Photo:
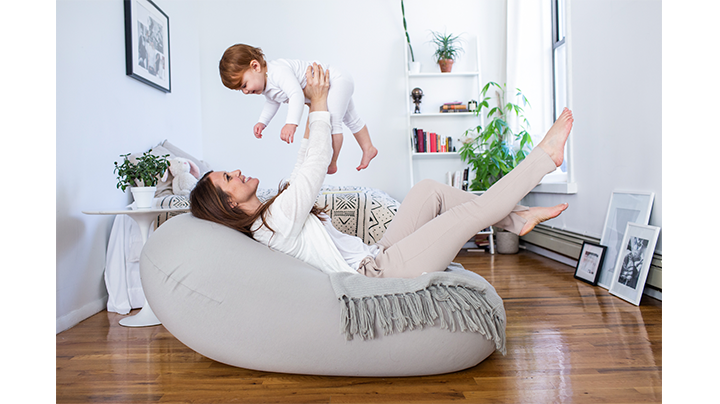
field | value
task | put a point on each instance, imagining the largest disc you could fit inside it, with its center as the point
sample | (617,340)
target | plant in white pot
(414,66)
(141,176)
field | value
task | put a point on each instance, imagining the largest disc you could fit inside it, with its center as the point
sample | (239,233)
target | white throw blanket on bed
(459,299)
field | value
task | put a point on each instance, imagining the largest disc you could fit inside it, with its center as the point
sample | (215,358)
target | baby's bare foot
(537,215)
(368,155)
(332,168)
(554,141)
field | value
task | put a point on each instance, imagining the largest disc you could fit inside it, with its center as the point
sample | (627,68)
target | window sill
(556,188)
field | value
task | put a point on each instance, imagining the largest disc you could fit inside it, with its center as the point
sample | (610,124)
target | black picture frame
(147,44)
(590,262)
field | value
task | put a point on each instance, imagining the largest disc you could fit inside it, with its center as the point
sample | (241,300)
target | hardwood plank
(567,342)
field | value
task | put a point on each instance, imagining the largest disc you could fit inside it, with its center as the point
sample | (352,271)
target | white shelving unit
(438,88)
(462,84)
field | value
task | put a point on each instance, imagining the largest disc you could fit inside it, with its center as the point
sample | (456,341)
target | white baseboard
(76,316)
(550,254)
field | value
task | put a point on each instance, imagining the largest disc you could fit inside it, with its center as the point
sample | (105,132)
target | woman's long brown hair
(209,202)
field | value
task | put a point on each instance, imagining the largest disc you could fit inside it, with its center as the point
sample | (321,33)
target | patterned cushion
(358,211)
(169,201)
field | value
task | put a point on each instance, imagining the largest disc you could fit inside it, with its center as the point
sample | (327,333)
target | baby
(244,68)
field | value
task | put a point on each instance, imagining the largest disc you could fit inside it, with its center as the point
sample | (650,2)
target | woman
(432,224)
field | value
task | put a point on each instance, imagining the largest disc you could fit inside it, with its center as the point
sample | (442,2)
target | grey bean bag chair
(236,301)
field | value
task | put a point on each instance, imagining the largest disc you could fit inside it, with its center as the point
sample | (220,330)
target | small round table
(143,218)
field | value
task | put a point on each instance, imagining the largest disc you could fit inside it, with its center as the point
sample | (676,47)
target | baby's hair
(235,61)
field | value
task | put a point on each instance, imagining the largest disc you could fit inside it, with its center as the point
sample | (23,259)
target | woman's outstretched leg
(435,243)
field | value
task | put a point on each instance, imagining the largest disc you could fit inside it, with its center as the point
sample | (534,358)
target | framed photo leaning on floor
(633,262)
(624,208)
(589,262)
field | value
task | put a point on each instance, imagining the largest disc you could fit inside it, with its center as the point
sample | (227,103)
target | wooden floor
(568,342)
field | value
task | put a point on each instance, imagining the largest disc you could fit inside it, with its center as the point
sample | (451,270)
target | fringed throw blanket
(459,299)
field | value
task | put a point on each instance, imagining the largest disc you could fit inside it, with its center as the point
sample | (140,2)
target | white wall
(365,39)
(102,113)
(616,51)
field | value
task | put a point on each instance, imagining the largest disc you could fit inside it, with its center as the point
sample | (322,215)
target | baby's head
(236,61)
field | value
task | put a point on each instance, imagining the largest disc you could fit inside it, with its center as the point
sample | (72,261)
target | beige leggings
(435,220)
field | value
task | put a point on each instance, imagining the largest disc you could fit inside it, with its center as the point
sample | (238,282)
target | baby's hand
(257,129)
(287,133)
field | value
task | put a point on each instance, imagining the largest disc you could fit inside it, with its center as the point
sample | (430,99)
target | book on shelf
(430,142)
(450,107)
(457,179)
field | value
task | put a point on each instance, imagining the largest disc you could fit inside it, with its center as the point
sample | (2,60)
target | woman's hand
(316,90)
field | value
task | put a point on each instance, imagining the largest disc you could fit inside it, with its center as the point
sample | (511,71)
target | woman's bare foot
(368,155)
(554,141)
(537,215)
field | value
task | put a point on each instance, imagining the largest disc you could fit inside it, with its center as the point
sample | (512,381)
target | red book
(433,143)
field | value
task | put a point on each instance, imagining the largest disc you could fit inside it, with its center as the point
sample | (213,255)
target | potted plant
(414,66)
(448,48)
(141,176)
(496,149)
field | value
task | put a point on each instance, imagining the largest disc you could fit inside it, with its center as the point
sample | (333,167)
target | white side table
(143,218)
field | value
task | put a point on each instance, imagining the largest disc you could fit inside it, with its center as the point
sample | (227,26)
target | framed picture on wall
(633,262)
(624,208)
(590,262)
(147,44)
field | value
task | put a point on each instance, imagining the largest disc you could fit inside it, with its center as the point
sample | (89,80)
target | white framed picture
(624,208)
(147,44)
(633,262)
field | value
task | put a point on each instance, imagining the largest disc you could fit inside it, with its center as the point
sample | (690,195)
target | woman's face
(239,187)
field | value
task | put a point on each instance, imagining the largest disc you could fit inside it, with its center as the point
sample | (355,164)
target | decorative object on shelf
(147,44)
(448,48)
(490,151)
(140,175)
(472,105)
(417,95)
(633,264)
(414,66)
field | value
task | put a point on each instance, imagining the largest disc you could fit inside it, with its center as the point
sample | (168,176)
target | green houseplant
(407,36)
(141,175)
(491,150)
(447,50)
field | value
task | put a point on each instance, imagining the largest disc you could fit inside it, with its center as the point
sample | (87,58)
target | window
(559,63)
(537,60)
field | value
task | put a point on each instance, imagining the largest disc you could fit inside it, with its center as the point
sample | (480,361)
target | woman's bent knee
(427,184)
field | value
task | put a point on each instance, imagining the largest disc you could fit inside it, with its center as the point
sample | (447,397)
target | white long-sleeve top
(300,233)
(285,82)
